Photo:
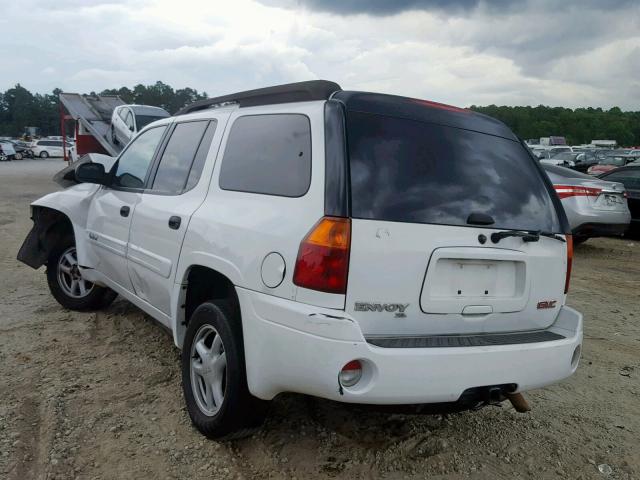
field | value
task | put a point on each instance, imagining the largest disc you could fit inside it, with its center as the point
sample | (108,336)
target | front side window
(416,172)
(178,157)
(133,164)
(268,154)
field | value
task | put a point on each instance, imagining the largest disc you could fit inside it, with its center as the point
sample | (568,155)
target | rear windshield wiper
(527,236)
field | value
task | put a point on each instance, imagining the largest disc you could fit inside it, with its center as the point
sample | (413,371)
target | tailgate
(408,279)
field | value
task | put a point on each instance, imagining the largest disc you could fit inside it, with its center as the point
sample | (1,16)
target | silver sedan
(594,207)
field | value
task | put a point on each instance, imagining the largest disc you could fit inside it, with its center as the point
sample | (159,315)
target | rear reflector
(351,373)
(565,191)
(569,262)
(323,256)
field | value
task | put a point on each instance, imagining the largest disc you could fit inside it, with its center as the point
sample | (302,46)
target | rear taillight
(565,191)
(323,256)
(569,262)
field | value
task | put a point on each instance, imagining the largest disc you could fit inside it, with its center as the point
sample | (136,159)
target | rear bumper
(590,230)
(293,347)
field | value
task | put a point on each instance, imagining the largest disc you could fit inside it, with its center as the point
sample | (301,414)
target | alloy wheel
(208,370)
(70,277)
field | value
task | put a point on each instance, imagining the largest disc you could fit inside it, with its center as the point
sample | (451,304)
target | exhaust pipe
(519,403)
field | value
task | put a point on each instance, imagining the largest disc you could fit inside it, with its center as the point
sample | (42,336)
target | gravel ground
(97,395)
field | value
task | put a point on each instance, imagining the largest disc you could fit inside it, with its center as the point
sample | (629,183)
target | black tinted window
(630,178)
(268,154)
(133,164)
(178,157)
(410,171)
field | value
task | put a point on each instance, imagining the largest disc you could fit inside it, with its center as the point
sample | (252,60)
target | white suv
(358,247)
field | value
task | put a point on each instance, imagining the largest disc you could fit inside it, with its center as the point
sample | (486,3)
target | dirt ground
(98,396)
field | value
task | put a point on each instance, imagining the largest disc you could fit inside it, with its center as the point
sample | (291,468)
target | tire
(577,240)
(17,156)
(235,413)
(44,154)
(91,297)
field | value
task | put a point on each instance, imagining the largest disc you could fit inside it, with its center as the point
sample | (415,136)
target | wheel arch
(200,283)
(50,226)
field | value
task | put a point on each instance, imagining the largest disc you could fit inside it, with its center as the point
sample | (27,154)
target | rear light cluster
(565,191)
(569,262)
(323,256)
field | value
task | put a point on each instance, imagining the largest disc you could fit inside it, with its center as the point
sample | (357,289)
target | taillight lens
(565,191)
(323,256)
(569,262)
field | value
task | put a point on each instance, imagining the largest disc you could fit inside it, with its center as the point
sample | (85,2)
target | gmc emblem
(547,304)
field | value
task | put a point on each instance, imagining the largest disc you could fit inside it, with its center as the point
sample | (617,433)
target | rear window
(144,120)
(409,171)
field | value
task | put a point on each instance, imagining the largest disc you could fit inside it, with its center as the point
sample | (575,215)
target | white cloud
(522,56)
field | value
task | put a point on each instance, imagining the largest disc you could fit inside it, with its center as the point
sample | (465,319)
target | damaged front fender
(49,227)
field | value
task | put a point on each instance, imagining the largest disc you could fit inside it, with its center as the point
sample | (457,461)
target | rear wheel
(67,285)
(214,378)
(44,154)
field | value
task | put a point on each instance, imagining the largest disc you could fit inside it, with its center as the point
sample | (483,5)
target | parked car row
(42,148)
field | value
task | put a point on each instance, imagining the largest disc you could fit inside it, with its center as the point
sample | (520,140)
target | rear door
(161,218)
(425,201)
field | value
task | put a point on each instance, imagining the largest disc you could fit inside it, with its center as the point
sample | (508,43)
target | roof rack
(291,92)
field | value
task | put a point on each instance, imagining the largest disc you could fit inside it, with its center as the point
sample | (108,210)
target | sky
(573,53)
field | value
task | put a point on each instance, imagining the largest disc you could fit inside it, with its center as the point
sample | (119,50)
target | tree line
(578,126)
(20,108)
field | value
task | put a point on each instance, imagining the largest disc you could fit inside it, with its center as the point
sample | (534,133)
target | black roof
(291,92)
(424,111)
(375,103)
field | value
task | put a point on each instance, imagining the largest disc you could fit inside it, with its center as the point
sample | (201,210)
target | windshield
(618,161)
(410,171)
(565,156)
(144,120)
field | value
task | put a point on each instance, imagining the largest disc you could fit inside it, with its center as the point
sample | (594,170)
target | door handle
(174,222)
(124,211)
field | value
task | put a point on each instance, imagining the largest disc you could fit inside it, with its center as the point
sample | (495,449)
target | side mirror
(91,173)
(131,128)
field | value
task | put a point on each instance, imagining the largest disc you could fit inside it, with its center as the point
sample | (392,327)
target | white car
(127,120)
(47,147)
(359,247)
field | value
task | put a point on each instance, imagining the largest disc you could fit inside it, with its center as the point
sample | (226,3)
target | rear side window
(410,171)
(179,155)
(268,154)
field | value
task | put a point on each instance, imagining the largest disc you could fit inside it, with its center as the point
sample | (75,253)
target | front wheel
(67,286)
(214,378)
(44,154)
(18,156)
